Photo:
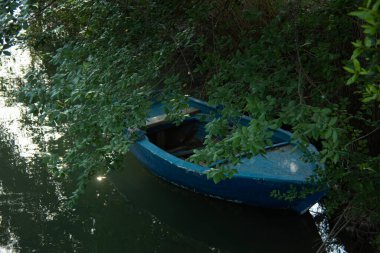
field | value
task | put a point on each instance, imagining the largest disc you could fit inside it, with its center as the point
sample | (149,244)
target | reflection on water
(330,243)
(223,226)
(33,217)
(144,215)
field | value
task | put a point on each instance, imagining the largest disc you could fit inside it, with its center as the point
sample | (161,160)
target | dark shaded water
(149,216)
(145,214)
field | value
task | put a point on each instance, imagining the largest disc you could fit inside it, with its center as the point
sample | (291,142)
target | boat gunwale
(189,166)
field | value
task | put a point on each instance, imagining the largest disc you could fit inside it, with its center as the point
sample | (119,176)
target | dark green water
(147,215)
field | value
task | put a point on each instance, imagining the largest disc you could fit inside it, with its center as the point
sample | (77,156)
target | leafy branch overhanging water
(280,62)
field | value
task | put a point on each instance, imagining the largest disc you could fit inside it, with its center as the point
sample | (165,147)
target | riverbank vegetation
(309,66)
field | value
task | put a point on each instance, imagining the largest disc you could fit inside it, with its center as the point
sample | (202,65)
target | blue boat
(164,147)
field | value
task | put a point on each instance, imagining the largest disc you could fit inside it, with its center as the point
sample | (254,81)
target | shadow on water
(33,217)
(149,215)
(156,217)
(225,227)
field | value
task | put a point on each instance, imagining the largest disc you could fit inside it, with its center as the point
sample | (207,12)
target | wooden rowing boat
(164,147)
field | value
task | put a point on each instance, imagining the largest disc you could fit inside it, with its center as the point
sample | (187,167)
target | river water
(144,214)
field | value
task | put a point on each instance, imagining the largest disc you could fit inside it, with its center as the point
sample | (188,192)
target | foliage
(12,20)
(365,68)
(279,62)
(99,84)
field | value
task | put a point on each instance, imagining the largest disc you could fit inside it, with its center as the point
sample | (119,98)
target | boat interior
(179,140)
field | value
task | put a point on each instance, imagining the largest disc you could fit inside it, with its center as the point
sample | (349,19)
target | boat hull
(240,189)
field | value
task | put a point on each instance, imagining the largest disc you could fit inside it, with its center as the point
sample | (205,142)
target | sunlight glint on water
(324,230)
(12,71)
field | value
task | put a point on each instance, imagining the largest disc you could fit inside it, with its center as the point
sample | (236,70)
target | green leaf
(333,120)
(334,135)
(352,80)
(6,46)
(336,158)
(349,70)
(376,6)
(370,29)
(356,65)
(357,43)
(365,15)
(328,133)
(357,52)
(216,178)
(368,42)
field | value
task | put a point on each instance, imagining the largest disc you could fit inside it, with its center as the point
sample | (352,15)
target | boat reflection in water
(224,226)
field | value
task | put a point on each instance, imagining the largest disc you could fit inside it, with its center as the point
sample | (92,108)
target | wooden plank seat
(185,150)
(163,118)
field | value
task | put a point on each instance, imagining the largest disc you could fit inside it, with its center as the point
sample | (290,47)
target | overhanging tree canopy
(279,62)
